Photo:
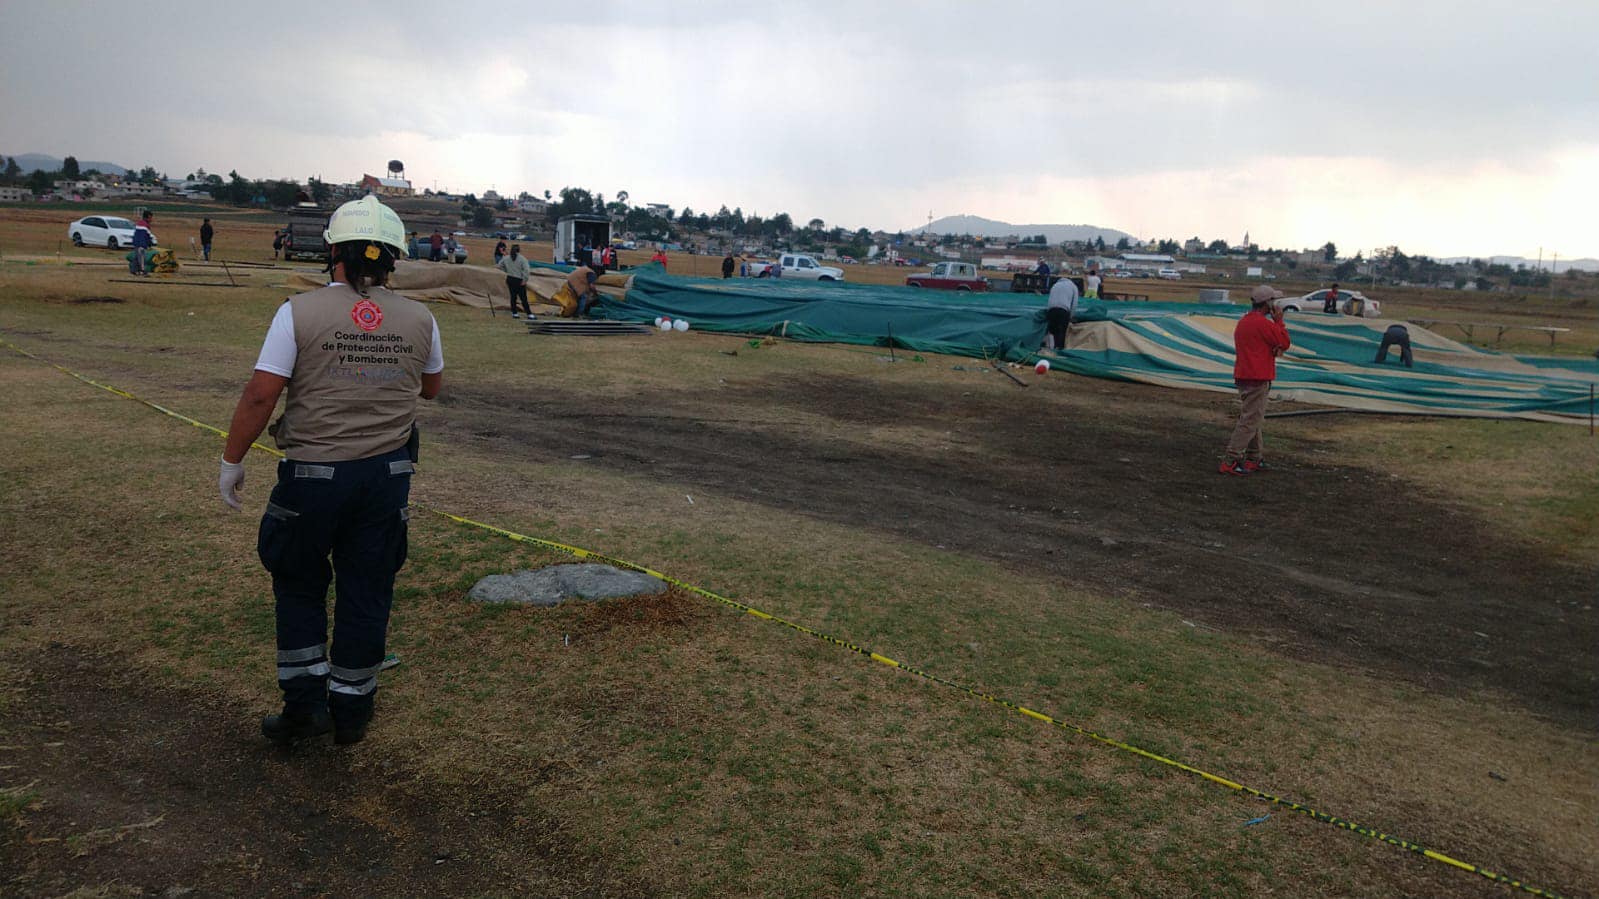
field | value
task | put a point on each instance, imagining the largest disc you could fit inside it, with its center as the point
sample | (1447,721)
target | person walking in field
(499,252)
(436,246)
(206,233)
(277,243)
(727,265)
(353,357)
(517,269)
(1258,339)
(1330,303)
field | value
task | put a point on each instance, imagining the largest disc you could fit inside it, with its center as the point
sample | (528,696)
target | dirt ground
(1317,559)
(140,791)
(1105,487)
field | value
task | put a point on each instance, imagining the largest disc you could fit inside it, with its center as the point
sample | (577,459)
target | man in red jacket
(1258,340)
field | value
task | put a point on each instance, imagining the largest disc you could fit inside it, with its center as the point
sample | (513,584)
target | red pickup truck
(950,276)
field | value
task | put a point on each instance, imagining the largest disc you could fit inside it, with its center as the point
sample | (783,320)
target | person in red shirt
(1258,340)
(660,256)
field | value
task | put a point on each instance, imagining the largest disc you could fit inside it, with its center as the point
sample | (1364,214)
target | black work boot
(347,732)
(293,725)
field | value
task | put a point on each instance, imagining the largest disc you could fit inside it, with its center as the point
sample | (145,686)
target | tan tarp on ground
(477,286)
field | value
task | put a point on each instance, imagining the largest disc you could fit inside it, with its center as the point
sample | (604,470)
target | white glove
(230,481)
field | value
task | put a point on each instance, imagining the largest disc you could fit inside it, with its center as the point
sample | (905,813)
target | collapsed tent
(469,285)
(1005,326)
(1169,344)
(1331,363)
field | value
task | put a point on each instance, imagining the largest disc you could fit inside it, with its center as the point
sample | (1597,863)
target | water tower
(396,169)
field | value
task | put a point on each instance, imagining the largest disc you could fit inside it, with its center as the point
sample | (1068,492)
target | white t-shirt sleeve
(435,362)
(279,350)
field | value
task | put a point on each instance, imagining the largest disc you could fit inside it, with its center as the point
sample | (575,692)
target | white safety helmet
(367,219)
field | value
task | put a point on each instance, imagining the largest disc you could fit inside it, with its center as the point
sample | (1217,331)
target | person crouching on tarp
(578,295)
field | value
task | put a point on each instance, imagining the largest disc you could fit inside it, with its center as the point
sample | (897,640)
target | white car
(798,265)
(1169,274)
(1316,301)
(101,231)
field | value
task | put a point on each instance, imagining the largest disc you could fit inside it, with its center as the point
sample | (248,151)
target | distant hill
(31,162)
(1585,264)
(981,227)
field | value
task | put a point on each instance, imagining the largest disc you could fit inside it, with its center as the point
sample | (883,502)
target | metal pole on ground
(226,272)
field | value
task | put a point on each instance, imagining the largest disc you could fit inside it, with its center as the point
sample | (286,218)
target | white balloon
(666,324)
(680,324)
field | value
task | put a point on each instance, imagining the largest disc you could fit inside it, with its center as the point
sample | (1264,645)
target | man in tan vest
(578,293)
(354,357)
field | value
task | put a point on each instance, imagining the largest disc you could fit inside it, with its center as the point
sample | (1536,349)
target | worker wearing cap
(354,357)
(578,294)
(1258,340)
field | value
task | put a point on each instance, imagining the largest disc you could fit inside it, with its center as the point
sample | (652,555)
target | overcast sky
(1447,128)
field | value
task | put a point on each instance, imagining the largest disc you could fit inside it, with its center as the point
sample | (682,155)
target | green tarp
(1007,326)
(1172,344)
(1332,362)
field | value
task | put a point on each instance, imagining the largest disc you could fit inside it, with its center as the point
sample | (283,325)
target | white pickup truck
(797,265)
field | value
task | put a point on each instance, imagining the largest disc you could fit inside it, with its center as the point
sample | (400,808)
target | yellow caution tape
(581,553)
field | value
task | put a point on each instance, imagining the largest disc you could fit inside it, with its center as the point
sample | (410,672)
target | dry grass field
(1396,626)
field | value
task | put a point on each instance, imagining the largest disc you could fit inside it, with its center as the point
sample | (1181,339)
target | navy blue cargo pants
(355,513)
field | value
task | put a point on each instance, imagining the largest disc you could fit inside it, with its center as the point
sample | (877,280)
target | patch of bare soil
(142,789)
(1118,495)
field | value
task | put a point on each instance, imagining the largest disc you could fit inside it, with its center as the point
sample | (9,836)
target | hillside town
(532,215)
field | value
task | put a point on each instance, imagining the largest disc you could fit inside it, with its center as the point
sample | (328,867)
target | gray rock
(557,583)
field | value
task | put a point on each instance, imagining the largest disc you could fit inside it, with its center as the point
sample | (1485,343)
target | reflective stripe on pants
(340,523)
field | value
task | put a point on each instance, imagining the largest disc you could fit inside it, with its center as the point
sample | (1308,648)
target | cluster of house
(77,189)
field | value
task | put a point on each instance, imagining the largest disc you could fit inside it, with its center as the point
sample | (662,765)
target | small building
(79,187)
(1008,263)
(658,209)
(386,187)
(15,195)
(1146,261)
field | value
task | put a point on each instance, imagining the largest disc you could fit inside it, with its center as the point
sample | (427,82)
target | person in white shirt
(517,269)
(353,357)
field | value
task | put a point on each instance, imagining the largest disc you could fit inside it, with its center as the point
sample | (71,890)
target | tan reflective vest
(357,373)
